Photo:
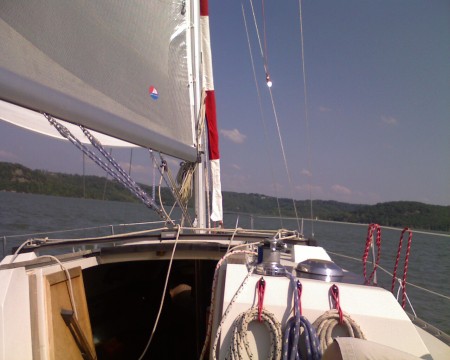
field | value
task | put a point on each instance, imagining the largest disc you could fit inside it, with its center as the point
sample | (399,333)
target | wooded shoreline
(18,178)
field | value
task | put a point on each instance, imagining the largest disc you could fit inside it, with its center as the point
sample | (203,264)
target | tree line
(18,178)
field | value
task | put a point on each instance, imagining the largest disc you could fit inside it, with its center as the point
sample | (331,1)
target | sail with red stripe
(210,104)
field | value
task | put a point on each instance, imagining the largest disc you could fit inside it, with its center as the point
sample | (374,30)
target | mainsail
(36,122)
(120,68)
(127,69)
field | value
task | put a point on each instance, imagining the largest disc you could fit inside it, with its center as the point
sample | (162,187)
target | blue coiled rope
(309,337)
(292,340)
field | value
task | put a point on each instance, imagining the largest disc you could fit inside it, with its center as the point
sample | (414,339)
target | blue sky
(378,90)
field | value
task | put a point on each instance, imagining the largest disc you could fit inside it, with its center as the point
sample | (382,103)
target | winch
(269,258)
(320,270)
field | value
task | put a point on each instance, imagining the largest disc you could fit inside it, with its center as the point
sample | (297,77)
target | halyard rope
(290,343)
(405,268)
(213,295)
(371,229)
(163,293)
(227,311)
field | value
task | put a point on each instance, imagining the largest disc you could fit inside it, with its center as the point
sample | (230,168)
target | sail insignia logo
(153,93)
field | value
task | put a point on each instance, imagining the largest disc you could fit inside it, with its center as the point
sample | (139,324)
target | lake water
(429,265)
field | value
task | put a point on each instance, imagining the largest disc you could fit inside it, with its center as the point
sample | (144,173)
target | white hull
(34,290)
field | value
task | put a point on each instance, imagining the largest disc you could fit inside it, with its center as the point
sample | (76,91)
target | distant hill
(18,178)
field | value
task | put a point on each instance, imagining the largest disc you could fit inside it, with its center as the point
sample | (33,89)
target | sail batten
(118,68)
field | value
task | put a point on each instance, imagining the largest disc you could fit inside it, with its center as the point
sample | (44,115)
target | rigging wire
(257,32)
(305,97)
(106,178)
(160,197)
(278,127)
(266,61)
(288,174)
(266,137)
(131,161)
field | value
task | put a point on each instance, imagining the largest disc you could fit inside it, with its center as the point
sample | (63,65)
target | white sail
(34,121)
(119,68)
(210,105)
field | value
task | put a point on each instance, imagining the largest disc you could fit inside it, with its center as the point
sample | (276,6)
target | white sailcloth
(210,102)
(36,122)
(119,68)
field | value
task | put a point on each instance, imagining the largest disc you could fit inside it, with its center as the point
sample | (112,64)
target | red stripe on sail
(211,118)
(204,8)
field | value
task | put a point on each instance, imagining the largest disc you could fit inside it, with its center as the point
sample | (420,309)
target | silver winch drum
(320,270)
(269,258)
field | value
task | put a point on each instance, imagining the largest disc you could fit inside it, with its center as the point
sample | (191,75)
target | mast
(199,180)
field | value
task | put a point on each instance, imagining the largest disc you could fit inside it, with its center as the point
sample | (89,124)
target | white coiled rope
(326,323)
(239,345)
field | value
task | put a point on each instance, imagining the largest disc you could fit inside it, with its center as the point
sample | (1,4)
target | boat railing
(322,230)
(9,242)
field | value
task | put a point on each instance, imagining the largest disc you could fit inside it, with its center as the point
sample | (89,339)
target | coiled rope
(326,323)
(239,345)
(291,339)
(184,178)
(308,337)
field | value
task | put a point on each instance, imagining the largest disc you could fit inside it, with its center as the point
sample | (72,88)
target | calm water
(429,264)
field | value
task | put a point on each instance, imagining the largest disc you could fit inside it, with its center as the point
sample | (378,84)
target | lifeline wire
(398,279)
